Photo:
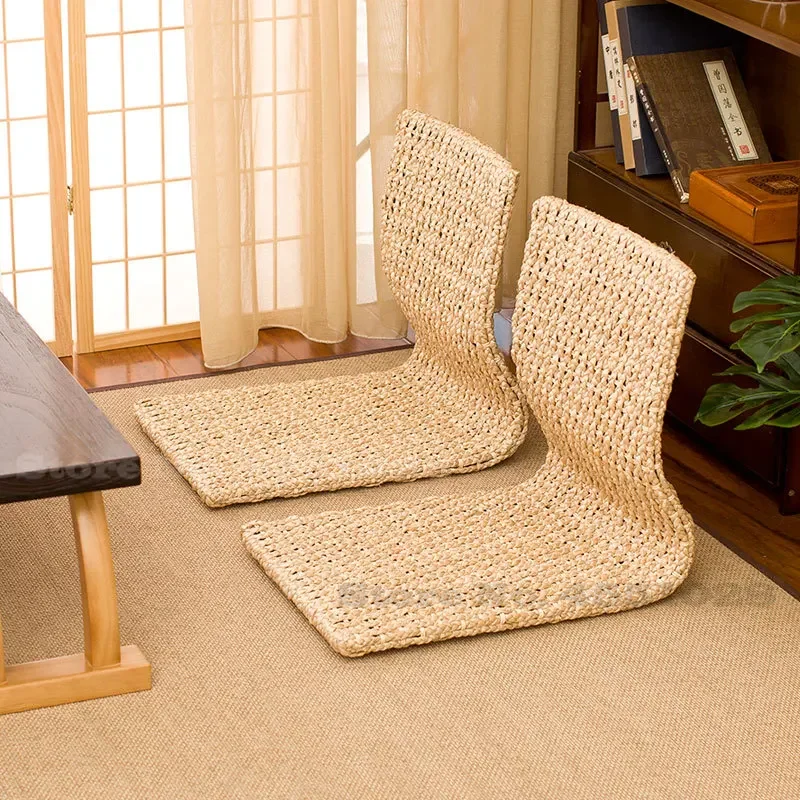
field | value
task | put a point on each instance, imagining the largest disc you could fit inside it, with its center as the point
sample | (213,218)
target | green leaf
(763,343)
(768,337)
(757,297)
(790,364)
(787,314)
(762,415)
(725,401)
(791,419)
(789,283)
(765,379)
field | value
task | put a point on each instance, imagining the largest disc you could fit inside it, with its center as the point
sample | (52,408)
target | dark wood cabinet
(759,451)
(724,264)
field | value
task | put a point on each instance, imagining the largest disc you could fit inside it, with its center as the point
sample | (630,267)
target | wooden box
(757,202)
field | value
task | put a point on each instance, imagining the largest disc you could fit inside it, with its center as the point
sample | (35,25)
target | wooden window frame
(57,186)
(87,340)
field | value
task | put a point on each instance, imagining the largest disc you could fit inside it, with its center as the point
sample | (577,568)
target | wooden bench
(54,441)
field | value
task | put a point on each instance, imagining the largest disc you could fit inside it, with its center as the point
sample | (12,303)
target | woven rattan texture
(597,529)
(453,407)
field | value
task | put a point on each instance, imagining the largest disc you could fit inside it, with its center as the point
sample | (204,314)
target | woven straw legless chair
(597,529)
(452,407)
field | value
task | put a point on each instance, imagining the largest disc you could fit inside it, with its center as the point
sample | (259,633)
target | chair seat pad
(252,444)
(453,407)
(547,550)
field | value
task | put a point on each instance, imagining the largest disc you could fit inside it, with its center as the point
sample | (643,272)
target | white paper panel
(32,239)
(103,81)
(108,224)
(35,301)
(182,297)
(27,95)
(143,145)
(105,149)
(146,293)
(108,283)
(145,237)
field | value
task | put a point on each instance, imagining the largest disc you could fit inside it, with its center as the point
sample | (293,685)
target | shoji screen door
(34,237)
(135,274)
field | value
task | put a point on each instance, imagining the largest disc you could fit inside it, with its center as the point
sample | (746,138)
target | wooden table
(54,441)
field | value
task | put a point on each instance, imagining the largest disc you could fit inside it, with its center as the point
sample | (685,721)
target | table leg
(104,668)
(98,584)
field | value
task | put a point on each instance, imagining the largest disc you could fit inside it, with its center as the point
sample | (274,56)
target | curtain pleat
(387,35)
(219,81)
(328,226)
(280,181)
(504,70)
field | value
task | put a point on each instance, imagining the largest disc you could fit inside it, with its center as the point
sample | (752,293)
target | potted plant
(770,341)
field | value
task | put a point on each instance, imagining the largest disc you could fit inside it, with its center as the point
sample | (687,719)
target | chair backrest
(597,328)
(446,209)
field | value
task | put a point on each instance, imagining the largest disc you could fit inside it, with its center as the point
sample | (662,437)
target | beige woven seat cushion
(452,407)
(597,529)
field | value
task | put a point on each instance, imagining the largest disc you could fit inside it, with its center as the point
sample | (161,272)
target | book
(631,105)
(619,86)
(608,63)
(699,111)
(652,27)
(757,202)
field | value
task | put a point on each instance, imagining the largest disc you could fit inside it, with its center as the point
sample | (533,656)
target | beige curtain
(504,70)
(286,161)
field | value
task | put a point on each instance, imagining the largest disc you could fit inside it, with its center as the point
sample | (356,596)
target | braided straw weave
(597,529)
(452,407)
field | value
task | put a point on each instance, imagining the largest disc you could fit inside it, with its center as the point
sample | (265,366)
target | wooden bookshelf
(776,23)
(769,59)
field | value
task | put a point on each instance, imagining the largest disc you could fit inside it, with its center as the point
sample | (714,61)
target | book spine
(622,100)
(626,51)
(609,68)
(608,63)
(655,124)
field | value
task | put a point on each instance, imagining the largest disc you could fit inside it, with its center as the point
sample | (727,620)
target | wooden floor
(737,512)
(158,362)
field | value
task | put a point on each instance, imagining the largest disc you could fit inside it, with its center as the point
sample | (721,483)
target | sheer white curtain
(272,90)
(504,70)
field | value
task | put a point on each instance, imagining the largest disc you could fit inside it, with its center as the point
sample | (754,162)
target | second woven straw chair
(452,407)
(597,529)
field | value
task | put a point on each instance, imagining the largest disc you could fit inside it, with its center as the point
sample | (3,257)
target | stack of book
(678,101)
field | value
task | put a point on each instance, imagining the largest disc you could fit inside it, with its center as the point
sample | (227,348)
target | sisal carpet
(696,696)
